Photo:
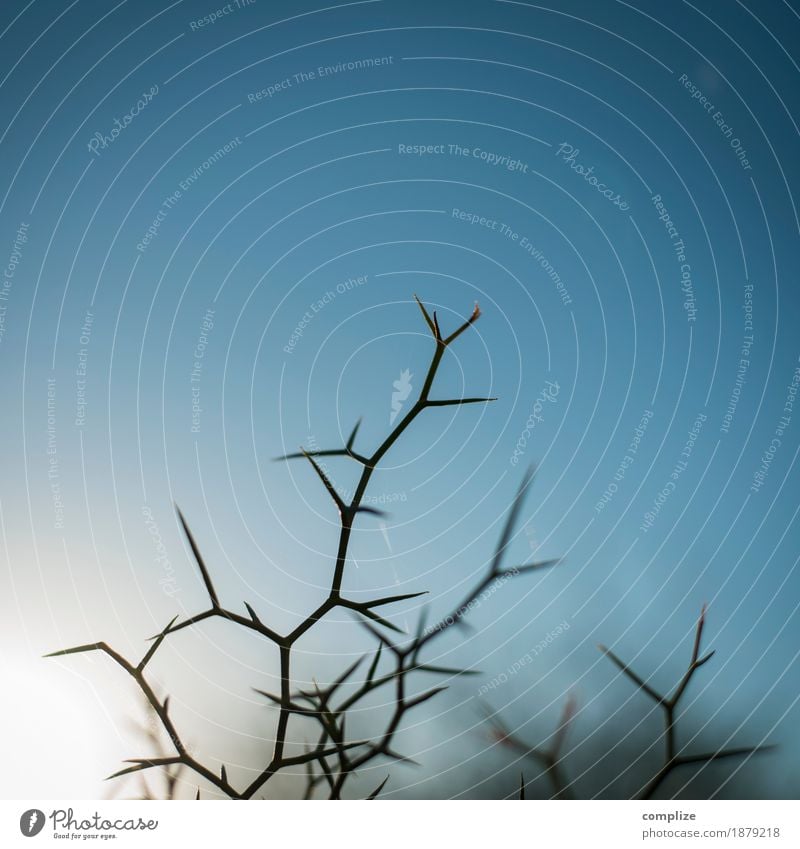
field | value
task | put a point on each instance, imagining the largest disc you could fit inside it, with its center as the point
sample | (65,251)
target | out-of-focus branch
(674,757)
(549,758)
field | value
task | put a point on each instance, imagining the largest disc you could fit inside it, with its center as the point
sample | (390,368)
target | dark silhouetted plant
(551,760)
(334,758)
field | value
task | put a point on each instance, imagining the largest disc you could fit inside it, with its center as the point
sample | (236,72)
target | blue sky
(260,210)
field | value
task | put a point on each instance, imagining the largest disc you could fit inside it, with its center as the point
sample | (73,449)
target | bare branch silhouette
(333,759)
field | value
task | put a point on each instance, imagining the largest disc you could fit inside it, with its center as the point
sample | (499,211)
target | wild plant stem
(334,596)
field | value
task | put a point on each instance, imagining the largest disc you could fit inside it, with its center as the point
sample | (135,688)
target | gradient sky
(681,103)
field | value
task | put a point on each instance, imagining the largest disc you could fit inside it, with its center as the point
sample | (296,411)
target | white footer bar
(402,825)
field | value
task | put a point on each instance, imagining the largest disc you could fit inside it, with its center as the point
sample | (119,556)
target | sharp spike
(391,599)
(418,700)
(458,402)
(328,485)
(427,317)
(199,559)
(377,790)
(352,438)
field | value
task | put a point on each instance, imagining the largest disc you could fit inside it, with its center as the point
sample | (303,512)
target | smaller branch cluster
(551,758)
(674,758)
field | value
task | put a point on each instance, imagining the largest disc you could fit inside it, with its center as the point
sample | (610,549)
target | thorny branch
(333,759)
(674,757)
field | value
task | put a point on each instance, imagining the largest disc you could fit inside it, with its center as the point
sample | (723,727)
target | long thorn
(428,319)
(458,402)
(511,521)
(698,635)
(157,640)
(377,790)
(391,599)
(328,485)
(200,563)
(352,439)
